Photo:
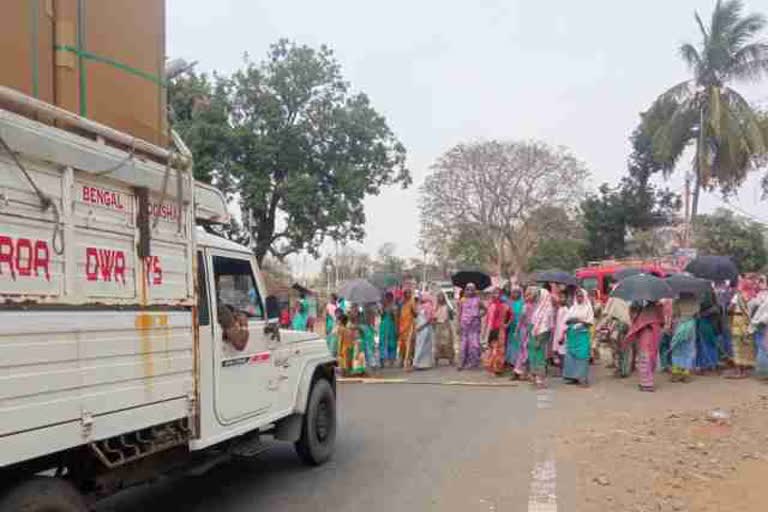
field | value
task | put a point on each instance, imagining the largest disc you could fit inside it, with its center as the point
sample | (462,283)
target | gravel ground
(699,447)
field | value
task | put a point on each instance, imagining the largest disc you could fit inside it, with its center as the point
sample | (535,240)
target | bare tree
(492,190)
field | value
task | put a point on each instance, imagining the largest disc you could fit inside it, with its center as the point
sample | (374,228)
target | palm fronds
(728,134)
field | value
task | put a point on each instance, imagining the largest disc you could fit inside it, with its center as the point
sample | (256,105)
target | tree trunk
(697,167)
(695,199)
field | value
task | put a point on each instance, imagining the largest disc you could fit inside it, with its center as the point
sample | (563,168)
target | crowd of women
(720,331)
(414,332)
(552,330)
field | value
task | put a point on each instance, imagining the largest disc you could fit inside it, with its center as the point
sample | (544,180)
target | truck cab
(133,341)
(268,378)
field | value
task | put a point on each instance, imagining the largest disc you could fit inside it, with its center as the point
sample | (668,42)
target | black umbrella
(683,283)
(359,291)
(624,273)
(715,268)
(556,276)
(302,289)
(481,280)
(643,287)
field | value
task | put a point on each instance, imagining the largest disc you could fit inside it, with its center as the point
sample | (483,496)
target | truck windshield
(236,287)
(589,283)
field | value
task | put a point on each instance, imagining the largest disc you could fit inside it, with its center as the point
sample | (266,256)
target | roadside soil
(701,446)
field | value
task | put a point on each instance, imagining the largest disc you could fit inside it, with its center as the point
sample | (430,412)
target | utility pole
(687,225)
(336,267)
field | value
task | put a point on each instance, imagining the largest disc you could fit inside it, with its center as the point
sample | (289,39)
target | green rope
(119,65)
(35,48)
(80,64)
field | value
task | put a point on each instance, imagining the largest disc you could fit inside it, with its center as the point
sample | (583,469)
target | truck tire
(318,428)
(43,494)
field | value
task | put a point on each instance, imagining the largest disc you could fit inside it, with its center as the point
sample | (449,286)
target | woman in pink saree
(646,331)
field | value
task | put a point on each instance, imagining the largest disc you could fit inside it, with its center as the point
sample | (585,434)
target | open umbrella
(556,276)
(302,289)
(643,287)
(683,283)
(715,268)
(481,280)
(624,273)
(359,291)
(384,280)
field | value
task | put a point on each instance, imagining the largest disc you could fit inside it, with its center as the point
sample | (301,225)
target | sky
(570,73)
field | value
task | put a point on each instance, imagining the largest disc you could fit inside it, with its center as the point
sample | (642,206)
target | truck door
(246,379)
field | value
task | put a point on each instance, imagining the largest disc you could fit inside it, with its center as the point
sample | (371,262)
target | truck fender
(314,368)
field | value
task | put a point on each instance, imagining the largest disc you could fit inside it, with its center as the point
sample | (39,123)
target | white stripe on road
(542,496)
(543,399)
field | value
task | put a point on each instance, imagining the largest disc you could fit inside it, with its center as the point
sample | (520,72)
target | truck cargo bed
(96,319)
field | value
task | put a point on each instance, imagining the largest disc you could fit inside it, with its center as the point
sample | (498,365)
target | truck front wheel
(43,494)
(318,429)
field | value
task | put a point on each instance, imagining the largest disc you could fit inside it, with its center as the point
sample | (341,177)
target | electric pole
(687,225)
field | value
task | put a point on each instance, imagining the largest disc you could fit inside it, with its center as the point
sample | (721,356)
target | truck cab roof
(206,239)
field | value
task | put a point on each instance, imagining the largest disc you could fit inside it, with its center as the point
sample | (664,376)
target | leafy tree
(565,254)
(605,223)
(200,114)
(483,193)
(725,233)
(635,204)
(299,148)
(710,113)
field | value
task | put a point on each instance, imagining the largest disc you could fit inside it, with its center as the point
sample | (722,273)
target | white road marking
(543,399)
(542,496)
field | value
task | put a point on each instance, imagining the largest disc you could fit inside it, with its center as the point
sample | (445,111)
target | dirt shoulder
(701,446)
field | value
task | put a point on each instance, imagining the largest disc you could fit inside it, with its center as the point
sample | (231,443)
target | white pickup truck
(132,341)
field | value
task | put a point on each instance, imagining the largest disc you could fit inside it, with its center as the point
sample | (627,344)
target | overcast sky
(572,73)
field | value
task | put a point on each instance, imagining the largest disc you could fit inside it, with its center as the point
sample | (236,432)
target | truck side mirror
(273,308)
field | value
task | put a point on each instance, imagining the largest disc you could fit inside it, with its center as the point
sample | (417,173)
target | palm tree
(706,110)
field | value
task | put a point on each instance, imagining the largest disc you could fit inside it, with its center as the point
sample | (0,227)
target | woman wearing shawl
(707,350)
(332,337)
(517,305)
(351,360)
(559,330)
(405,329)
(759,325)
(682,346)
(578,345)
(498,322)
(299,322)
(665,345)
(742,341)
(471,310)
(388,331)
(330,323)
(646,332)
(524,328)
(423,357)
(724,293)
(612,328)
(542,321)
(368,337)
(443,331)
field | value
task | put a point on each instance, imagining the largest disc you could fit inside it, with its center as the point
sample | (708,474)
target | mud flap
(289,428)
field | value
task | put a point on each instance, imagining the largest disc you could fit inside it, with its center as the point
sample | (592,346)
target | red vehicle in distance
(598,278)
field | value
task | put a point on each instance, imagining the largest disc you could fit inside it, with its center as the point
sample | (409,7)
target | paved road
(404,447)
